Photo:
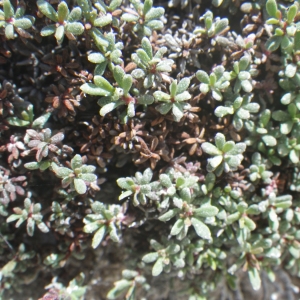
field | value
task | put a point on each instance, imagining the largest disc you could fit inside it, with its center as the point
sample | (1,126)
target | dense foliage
(171,135)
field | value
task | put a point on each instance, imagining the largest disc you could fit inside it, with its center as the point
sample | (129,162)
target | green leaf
(292,12)
(164,108)
(92,89)
(247,86)
(244,63)
(294,252)
(202,77)
(13,218)
(99,38)
(47,10)
(62,172)
(125,183)
(96,58)
(146,45)
(183,85)
(146,99)
(150,257)
(109,107)
(75,28)
(147,6)
(280,116)
(48,30)
(126,84)
(177,227)
(273,43)
(177,111)
(221,26)
(129,17)
(252,107)
(168,215)
(228,146)
(201,229)
(62,12)
(214,162)
(32,165)
(158,267)
(217,95)
(43,227)
(271,7)
(88,177)
(9,32)
(287,98)
(294,156)
(183,96)
(206,211)
(8,268)
(15,121)
(76,162)
(297,41)
(131,110)
(8,9)
(220,141)
(165,65)
(173,88)
(269,140)
(30,226)
(102,83)
(119,74)
(125,195)
(254,278)
(161,96)
(80,186)
(290,70)
(204,88)
(285,128)
(222,111)
(165,180)
(244,75)
(75,14)
(143,56)
(103,20)
(120,287)
(249,223)
(44,164)
(210,149)
(113,233)
(59,34)
(23,23)
(138,73)
(155,25)
(41,121)
(233,218)
(98,237)
(154,13)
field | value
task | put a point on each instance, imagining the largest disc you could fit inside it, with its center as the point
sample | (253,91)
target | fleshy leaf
(80,186)
(201,229)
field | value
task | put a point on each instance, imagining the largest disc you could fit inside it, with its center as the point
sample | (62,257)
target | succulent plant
(103,220)
(66,22)
(78,176)
(31,214)
(14,20)
(216,83)
(227,156)
(174,100)
(151,67)
(144,16)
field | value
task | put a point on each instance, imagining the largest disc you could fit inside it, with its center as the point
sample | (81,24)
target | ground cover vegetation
(164,136)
